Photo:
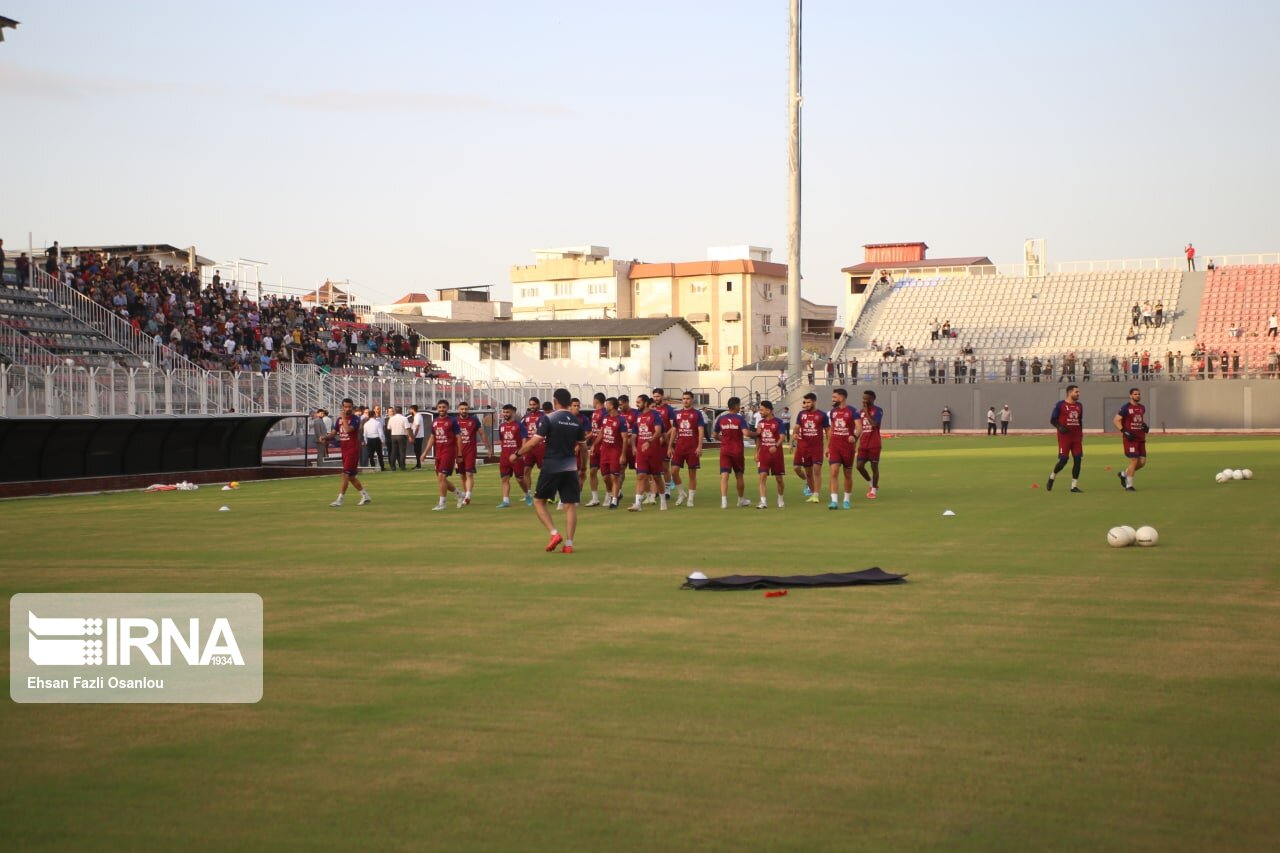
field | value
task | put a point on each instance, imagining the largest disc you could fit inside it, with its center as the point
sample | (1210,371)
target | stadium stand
(996,316)
(55,333)
(1238,301)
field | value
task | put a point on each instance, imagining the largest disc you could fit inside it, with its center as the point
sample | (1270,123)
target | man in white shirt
(398,428)
(418,429)
(373,438)
(1273,323)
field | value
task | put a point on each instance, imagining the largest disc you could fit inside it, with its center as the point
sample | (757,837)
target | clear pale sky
(412,146)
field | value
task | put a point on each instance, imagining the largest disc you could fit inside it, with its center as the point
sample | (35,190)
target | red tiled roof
(869,267)
(412,297)
(676,270)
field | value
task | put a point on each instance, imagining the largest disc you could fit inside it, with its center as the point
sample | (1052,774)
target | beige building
(737,304)
(574,283)
(451,303)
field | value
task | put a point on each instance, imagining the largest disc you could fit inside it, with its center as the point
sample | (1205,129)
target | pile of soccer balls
(1124,536)
(1228,474)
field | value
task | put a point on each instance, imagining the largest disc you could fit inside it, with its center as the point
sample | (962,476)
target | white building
(451,303)
(584,352)
(573,283)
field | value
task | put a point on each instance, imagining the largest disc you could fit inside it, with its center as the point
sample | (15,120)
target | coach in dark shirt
(562,432)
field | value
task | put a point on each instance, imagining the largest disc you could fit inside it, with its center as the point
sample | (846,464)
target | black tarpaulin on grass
(874,575)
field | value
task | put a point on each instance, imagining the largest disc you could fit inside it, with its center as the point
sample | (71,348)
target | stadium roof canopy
(6,23)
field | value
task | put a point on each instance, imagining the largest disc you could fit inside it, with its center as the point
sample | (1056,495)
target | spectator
(398,436)
(1146,313)
(1005,417)
(1159,313)
(1115,369)
(22,267)
(1022,369)
(1087,366)
(933,370)
(1273,323)
(1135,313)
(1008,368)
(1036,367)
(1190,252)
(52,258)
(1273,363)
(831,371)
(946,419)
(991,420)
(1235,362)
(1,262)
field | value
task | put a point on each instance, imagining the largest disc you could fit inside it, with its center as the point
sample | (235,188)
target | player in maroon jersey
(346,431)
(593,457)
(806,437)
(731,427)
(470,434)
(511,435)
(444,441)
(770,454)
(650,448)
(612,441)
(686,447)
(532,417)
(670,479)
(867,431)
(629,452)
(1132,423)
(1067,418)
(841,435)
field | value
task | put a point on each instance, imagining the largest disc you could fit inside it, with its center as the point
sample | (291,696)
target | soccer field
(437,681)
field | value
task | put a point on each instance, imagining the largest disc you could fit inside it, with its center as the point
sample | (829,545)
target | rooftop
(534,330)
(931,263)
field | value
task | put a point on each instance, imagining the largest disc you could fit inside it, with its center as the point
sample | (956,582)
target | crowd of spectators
(220,327)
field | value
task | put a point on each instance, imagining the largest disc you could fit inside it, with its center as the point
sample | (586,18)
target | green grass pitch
(437,681)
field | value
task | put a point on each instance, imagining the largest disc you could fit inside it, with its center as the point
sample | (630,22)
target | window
(782,321)
(528,293)
(728,287)
(783,289)
(553,349)
(444,352)
(615,348)
(495,350)
(698,287)
(766,322)
(702,353)
(767,289)
(564,288)
(732,349)
(598,288)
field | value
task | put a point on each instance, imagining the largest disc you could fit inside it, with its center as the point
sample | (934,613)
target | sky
(417,145)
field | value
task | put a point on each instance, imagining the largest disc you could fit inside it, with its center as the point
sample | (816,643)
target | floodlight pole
(794,101)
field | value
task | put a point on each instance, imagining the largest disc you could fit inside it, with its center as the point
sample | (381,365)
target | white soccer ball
(1222,476)
(1147,536)
(1248,473)
(1120,537)
(1228,471)
(1237,474)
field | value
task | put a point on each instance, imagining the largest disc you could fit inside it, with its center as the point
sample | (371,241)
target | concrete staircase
(1183,327)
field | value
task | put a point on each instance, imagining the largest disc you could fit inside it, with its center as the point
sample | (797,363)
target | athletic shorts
(1135,449)
(351,462)
(771,463)
(594,458)
(467,462)
(611,462)
(561,484)
(837,455)
(869,454)
(445,464)
(507,468)
(1070,444)
(732,463)
(807,455)
(680,458)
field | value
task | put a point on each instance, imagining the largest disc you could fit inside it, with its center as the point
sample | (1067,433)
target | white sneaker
(634,508)
(762,506)
(663,506)
(689,503)
(365,499)
(592,502)
(559,504)
(651,499)
(338,502)
(744,502)
(438,508)
(680,498)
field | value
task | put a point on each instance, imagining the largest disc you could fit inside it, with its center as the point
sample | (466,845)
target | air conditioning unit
(766,328)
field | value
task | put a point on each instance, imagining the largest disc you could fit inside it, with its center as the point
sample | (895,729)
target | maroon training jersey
(613,428)
(810,427)
(689,424)
(512,435)
(468,429)
(649,426)
(842,429)
(871,418)
(1069,415)
(769,435)
(1132,418)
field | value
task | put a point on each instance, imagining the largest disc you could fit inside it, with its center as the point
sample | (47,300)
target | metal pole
(794,102)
